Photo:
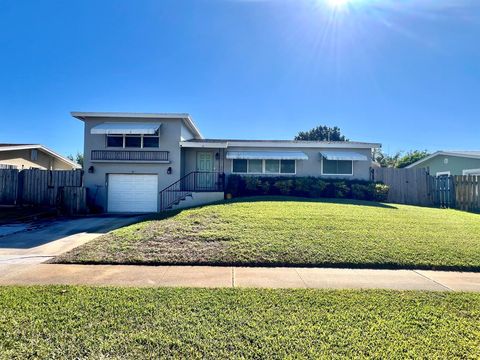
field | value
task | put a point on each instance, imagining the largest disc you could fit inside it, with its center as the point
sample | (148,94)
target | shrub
(252,184)
(381,192)
(317,188)
(233,185)
(341,189)
(363,191)
(305,186)
(285,187)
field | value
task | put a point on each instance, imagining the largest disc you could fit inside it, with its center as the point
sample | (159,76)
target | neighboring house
(442,163)
(150,162)
(33,156)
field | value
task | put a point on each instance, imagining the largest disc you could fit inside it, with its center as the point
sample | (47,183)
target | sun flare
(338,3)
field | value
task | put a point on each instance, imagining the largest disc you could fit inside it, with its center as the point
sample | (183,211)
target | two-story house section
(138,162)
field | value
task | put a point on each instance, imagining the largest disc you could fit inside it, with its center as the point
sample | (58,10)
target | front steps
(196,199)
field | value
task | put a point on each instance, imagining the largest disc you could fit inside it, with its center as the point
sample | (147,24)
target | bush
(363,192)
(306,187)
(285,187)
(381,192)
(252,184)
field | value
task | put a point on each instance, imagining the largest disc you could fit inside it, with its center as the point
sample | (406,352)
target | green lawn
(296,232)
(87,322)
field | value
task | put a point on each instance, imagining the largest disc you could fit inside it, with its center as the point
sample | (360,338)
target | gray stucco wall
(310,167)
(455,164)
(96,182)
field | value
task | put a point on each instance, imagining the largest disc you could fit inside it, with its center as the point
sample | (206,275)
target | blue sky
(403,73)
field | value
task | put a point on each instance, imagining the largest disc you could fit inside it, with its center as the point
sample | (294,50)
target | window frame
(472,172)
(324,174)
(263,168)
(124,136)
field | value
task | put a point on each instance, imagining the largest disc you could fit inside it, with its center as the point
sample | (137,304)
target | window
(115,140)
(337,167)
(264,166)
(255,166)
(133,141)
(150,141)
(474,172)
(272,166)
(287,167)
(239,166)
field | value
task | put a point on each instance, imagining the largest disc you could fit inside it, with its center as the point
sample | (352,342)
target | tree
(386,160)
(78,158)
(399,160)
(321,133)
(411,157)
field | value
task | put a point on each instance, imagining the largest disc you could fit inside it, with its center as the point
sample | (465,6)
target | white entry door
(132,193)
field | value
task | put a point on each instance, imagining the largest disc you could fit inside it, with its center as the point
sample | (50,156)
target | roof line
(43,148)
(447,153)
(82,115)
(278,143)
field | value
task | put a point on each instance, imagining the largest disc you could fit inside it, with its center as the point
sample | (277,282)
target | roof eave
(188,121)
(44,149)
(444,153)
(265,144)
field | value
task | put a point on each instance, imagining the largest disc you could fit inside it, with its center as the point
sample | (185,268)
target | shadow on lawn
(276,198)
(303,199)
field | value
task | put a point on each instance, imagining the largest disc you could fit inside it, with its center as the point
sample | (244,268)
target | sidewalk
(239,277)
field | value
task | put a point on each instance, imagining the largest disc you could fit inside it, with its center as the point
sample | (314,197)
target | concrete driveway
(40,242)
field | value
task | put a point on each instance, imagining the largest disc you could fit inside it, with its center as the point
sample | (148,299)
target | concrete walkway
(242,277)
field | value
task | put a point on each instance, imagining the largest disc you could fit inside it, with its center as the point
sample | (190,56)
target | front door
(205,177)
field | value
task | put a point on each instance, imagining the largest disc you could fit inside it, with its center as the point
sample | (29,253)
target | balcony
(130,156)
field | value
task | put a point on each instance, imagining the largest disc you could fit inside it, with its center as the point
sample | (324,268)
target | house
(442,163)
(150,162)
(33,156)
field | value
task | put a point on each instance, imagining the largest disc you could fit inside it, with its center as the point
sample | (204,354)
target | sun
(338,3)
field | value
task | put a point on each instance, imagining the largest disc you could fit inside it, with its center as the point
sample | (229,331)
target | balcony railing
(129,155)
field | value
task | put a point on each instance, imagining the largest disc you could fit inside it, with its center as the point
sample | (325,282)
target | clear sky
(403,73)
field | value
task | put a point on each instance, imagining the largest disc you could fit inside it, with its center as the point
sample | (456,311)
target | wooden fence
(467,192)
(442,189)
(407,186)
(8,186)
(418,187)
(55,188)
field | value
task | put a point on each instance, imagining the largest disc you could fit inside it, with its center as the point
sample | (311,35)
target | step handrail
(195,181)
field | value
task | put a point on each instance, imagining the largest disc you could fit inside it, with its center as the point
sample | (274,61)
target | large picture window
(133,141)
(257,166)
(337,167)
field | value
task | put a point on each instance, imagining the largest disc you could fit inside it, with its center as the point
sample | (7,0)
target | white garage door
(132,193)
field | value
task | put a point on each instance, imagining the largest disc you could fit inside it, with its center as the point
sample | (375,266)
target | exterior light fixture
(169,170)
(91,169)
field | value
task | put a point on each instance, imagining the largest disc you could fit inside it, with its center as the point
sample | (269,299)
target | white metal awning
(126,128)
(267,155)
(343,155)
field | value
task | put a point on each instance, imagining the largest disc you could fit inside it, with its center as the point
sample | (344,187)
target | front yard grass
(53,322)
(296,232)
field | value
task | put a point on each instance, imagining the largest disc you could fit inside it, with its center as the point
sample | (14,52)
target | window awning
(267,155)
(125,128)
(343,155)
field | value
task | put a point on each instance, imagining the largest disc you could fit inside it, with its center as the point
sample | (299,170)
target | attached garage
(132,193)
